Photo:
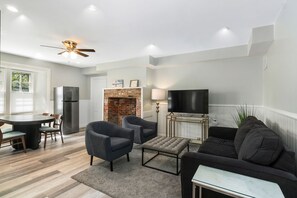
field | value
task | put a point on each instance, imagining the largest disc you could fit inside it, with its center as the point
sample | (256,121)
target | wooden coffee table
(168,146)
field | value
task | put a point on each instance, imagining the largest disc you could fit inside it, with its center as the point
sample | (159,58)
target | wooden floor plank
(46,172)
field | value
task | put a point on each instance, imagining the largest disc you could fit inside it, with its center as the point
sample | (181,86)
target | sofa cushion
(219,147)
(286,162)
(261,146)
(248,124)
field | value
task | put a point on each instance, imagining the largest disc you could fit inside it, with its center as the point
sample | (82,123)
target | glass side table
(233,184)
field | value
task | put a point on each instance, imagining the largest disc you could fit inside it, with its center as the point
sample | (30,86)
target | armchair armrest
(190,162)
(97,144)
(222,132)
(148,124)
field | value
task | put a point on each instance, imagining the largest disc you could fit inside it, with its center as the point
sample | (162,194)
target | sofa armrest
(190,162)
(222,132)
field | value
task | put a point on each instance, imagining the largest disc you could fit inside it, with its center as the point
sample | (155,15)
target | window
(21,96)
(21,82)
(24,89)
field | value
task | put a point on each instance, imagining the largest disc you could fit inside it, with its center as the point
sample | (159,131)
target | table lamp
(157,95)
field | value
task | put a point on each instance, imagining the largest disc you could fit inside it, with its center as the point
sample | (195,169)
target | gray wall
(61,75)
(280,81)
(230,81)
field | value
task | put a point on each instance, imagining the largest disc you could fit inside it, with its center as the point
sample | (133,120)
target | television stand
(202,120)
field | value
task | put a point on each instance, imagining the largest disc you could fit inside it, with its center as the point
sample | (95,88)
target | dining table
(29,124)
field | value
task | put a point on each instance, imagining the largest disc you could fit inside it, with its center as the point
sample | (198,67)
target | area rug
(130,179)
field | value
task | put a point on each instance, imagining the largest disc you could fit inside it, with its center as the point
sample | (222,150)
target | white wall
(280,90)
(230,81)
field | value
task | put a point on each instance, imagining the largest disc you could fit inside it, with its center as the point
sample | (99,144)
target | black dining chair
(54,128)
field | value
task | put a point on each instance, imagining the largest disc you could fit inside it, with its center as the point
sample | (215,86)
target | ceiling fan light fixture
(73,55)
(65,54)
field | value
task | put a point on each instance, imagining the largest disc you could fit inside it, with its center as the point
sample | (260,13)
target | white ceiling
(123,29)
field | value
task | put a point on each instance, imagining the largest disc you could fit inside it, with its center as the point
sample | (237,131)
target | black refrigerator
(66,102)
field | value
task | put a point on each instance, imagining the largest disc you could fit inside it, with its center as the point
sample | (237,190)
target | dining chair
(54,128)
(13,137)
(48,124)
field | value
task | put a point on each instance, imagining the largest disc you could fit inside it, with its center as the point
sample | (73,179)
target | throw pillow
(261,146)
(249,123)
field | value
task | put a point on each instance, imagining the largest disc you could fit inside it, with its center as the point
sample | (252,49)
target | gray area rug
(130,179)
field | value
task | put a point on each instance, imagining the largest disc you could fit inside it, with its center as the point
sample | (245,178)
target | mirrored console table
(201,120)
(233,184)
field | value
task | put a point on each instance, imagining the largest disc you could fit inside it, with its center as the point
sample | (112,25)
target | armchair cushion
(218,147)
(118,143)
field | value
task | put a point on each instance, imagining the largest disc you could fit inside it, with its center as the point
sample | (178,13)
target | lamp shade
(158,94)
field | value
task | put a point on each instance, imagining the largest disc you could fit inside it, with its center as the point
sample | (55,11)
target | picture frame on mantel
(134,83)
(118,83)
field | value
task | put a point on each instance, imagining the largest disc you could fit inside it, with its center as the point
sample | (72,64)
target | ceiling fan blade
(51,46)
(61,53)
(82,54)
(86,50)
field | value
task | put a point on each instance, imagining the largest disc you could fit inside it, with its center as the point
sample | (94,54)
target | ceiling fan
(70,48)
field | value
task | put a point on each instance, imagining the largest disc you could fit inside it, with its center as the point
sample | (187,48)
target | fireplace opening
(120,107)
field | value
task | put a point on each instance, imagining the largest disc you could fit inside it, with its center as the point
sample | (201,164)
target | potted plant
(242,112)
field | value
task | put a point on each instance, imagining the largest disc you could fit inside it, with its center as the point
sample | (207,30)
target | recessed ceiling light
(23,17)
(92,8)
(12,8)
(226,29)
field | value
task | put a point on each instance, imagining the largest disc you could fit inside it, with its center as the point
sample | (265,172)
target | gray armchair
(143,130)
(108,141)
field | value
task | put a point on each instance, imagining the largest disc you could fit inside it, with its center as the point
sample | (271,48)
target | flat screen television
(188,101)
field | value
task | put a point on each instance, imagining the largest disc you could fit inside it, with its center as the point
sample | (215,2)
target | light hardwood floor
(46,172)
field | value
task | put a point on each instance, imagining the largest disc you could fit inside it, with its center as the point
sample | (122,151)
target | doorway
(96,106)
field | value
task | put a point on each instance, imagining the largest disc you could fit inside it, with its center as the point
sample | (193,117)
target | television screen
(188,101)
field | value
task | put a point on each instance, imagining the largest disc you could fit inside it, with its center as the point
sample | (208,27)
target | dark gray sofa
(252,149)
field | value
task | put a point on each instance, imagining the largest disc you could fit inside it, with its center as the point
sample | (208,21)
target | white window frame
(46,103)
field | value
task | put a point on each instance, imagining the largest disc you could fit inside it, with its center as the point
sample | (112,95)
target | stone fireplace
(122,102)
